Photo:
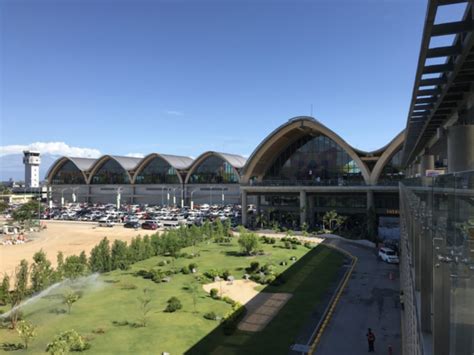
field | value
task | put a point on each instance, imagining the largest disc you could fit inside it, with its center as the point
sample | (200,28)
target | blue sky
(183,77)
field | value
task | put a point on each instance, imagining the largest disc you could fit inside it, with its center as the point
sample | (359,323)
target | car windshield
(389,252)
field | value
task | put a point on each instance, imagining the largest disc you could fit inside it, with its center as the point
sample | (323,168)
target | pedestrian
(371,340)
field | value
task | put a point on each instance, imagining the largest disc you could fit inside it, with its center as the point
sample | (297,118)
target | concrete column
(257,205)
(427,163)
(244,208)
(370,199)
(303,208)
(311,210)
(460,148)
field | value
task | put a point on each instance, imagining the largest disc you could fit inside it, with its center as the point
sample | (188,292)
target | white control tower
(32,162)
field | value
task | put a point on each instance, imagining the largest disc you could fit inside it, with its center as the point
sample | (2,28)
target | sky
(119,77)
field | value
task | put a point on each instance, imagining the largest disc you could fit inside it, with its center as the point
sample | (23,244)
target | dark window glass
(214,170)
(392,171)
(110,173)
(157,171)
(68,174)
(315,159)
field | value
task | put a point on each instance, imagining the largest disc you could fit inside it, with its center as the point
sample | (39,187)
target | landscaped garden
(148,297)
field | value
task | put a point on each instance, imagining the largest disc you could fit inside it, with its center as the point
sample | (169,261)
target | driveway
(370,300)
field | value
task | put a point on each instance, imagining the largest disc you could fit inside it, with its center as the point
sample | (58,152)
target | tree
(5,290)
(27,331)
(100,260)
(145,307)
(20,290)
(26,212)
(69,299)
(67,341)
(3,206)
(333,221)
(41,272)
(120,255)
(59,274)
(73,267)
(248,241)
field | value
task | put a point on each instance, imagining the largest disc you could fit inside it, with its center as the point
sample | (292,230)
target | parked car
(135,225)
(149,225)
(388,255)
(106,224)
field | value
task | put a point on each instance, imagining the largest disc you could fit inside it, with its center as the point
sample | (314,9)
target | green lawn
(184,331)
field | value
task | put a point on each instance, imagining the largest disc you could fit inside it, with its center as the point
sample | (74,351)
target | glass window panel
(68,173)
(157,171)
(214,170)
(111,173)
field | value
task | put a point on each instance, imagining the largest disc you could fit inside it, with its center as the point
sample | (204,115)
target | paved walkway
(370,299)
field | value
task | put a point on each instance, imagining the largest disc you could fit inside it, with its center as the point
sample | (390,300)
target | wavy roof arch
(236,161)
(270,148)
(129,164)
(180,163)
(83,164)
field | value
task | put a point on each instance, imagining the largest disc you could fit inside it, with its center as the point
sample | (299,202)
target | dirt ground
(68,237)
(261,306)
(241,291)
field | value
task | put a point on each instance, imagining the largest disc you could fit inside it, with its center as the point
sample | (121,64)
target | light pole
(74,197)
(210,196)
(162,189)
(222,196)
(119,196)
(62,196)
(174,196)
(168,196)
(192,202)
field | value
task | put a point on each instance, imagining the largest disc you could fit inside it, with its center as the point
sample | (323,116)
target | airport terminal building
(299,171)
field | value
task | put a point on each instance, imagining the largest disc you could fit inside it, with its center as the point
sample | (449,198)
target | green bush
(192,266)
(174,304)
(228,300)
(287,244)
(254,266)
(67,341)
(308,245)
(210,316)
(225,274)
(162,263)
(214,293)
(185,270)
(212,273)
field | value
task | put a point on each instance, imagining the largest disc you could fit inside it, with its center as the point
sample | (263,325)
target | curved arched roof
(83,164)
(270,148)
(236,161)
(127,163)
(178,162)
(390,150)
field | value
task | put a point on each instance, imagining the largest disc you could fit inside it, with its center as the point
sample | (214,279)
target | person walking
(371,340)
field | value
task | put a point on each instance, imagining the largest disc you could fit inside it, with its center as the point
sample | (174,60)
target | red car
(149,225)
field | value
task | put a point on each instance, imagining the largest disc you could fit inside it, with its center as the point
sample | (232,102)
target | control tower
(32,162)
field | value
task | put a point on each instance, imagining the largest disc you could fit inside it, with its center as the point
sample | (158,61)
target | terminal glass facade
(392,171)
(111,172)
(315,160)
(157,171)
(214,170)
(68,174)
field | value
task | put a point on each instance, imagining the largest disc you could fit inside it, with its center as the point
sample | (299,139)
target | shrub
(225,274)
(162,263)
(210,316)
(284,263)
(192,266)
(67,341)
(308,245)
(185,270)
(120,323)
(228,300)
(294,246)
(254,266)
(174,304)
(214,293)
(267,269)
(212,273)
(98,331)
(287,244)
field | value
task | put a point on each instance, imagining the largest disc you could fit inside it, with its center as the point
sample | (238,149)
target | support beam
(244,208)
(427,163)
(443,51)
(303,208)
(460,148)
(451,28)
(438,68)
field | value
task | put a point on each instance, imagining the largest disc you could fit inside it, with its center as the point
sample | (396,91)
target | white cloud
(174,113)
(135,155)
(54,148)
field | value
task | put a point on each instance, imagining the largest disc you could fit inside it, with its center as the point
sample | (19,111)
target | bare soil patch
(241,291)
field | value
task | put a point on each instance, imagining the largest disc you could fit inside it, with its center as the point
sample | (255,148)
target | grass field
(105,300)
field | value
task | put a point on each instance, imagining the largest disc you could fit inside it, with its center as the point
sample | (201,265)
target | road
(370,300)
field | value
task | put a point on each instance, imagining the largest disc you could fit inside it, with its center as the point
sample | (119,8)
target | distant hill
(11,166)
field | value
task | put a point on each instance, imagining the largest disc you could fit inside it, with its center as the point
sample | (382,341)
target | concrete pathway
(371,299)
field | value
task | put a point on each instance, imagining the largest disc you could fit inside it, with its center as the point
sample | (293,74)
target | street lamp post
(162,189)
(222,196)
(119,196)
(192,202)
(74,196)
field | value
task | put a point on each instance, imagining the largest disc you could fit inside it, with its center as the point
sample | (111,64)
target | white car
(388,255)
(106,224)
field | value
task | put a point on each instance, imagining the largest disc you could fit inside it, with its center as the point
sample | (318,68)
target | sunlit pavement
(370,300)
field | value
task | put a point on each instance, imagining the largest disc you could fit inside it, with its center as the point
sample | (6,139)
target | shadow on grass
(308,279)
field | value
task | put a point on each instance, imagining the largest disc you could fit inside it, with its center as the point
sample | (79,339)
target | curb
(331,307)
